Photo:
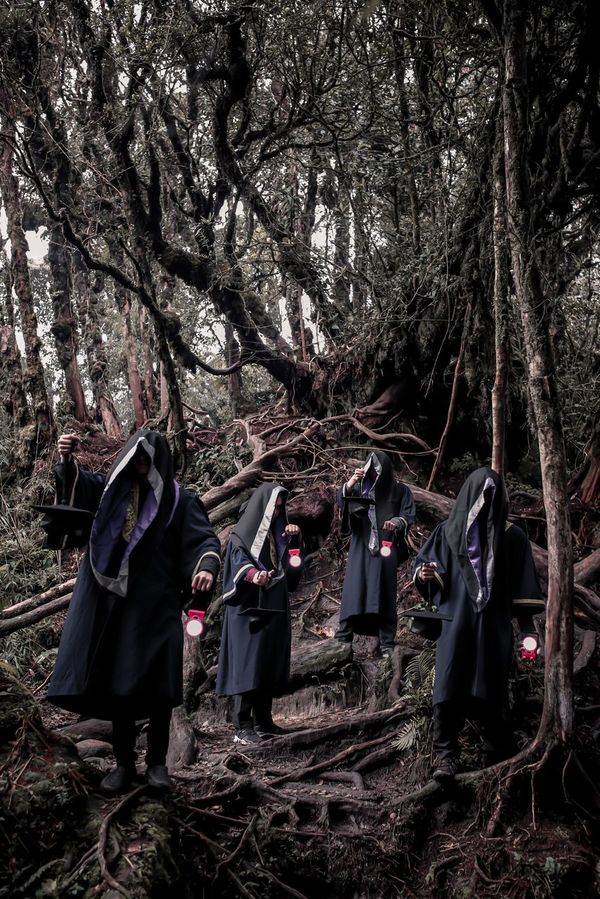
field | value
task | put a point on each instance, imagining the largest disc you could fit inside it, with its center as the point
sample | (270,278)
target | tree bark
(500,387)
(341,254)
(64,326)
(34,375)
(123,303)
(91,312)
(397,28)
(149,392)
(557,716)
(13,394)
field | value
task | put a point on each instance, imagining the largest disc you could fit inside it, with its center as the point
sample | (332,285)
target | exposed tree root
(103,839)
(300,773)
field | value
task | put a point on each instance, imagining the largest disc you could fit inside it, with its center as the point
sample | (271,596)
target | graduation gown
(481,590)
(370,581)
(257,660)
(121,649)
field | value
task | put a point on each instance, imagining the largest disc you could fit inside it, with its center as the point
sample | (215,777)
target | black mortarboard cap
(425,623)
(66,527)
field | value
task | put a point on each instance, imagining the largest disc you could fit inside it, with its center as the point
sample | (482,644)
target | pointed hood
(475,532)
(157,507)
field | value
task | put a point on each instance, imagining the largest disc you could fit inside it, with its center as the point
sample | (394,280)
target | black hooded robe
(121,651)
(370,581)
(261,660)
(482,592)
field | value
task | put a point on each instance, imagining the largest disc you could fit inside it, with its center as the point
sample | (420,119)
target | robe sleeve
(405,505)
(342,495)
(200,548)
(434,550)
(525,592)
(77,487)
(236,589)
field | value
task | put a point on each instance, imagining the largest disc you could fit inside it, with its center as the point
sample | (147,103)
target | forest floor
(342,806)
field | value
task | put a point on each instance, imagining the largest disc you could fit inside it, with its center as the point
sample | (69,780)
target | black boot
(158,778)
(445,768)
(117,781)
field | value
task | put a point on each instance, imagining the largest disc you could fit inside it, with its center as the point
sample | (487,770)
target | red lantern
(530,647)
(295,558)
(195,626)
(386,548)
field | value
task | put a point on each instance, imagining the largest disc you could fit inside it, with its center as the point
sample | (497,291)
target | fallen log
(587,570)
(29,618)
(310,770)
(358,722)
(317,662)
(228,509)
(27,605)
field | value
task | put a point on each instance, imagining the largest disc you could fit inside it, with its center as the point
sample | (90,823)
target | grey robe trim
(237,578)
(202,557)
(263,528)
(372,511)
(119,584)
(482,600)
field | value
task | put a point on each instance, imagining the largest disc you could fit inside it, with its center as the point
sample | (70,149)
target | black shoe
(158,778)
(446,768)
(117,781)
(247,736)
(268,731)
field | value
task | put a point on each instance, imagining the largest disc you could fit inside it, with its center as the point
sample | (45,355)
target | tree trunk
(341,254)
(397,28)
(150,400)
(361,252)
(123,301)
(557,716)
(12,392)
(34,375)
(500,314)
(64,326)
(91,312)
(234,381)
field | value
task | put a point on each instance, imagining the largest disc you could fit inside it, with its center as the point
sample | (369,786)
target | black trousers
(158,738)
(252,709)
(387,633)
(492,722)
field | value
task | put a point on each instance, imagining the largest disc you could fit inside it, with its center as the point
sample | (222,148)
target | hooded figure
(121,651)
(254,659)
(377,511)
(479,572)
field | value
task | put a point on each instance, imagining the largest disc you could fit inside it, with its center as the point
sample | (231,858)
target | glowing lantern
(295,558)
(530,647)
(195,626)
